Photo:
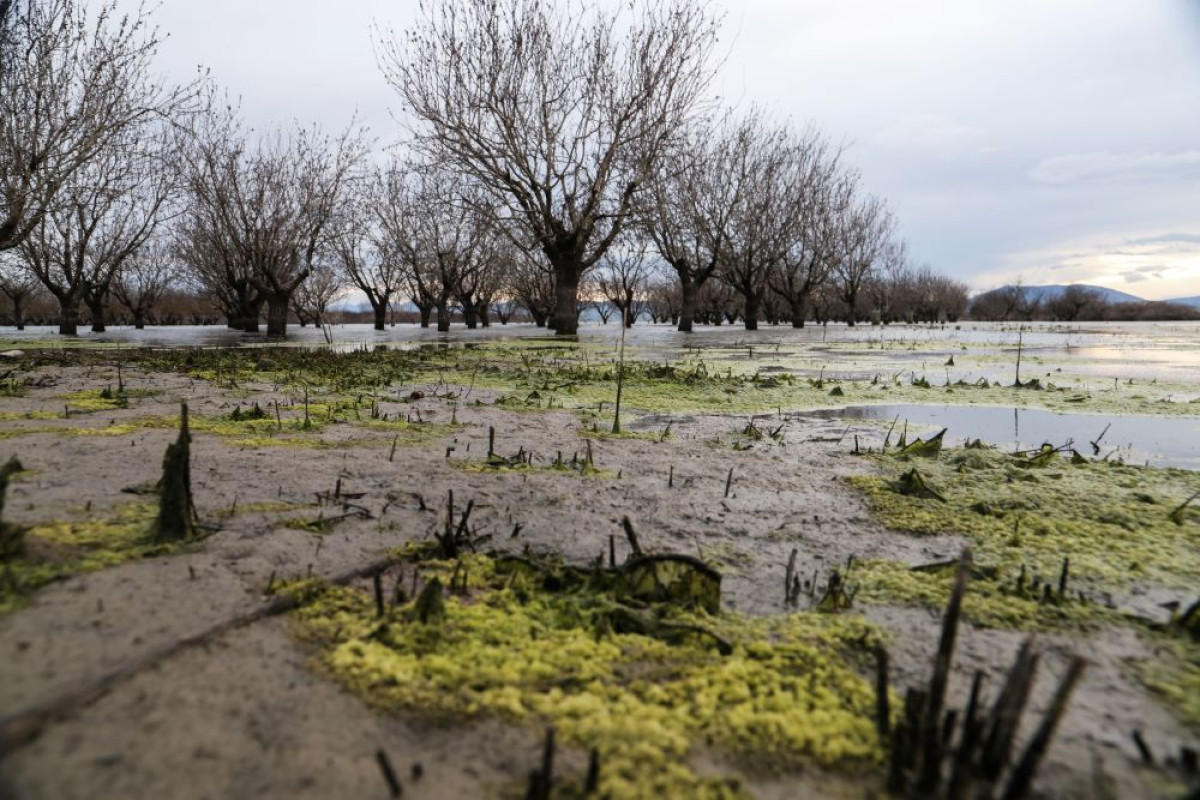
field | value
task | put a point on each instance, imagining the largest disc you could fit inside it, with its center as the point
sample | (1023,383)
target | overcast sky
(1055,141)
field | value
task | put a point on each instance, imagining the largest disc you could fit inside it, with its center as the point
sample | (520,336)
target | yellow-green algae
(59,548)
(1112,521)
(1173,672)
(787,695)
(542,374)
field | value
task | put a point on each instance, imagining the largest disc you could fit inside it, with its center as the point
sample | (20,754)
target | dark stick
(631,535)
(592,782)
(1143,749)
(1006,712)
(377,581)
(931,762)
(882,712)
(1062,578)
(1022,775)
(612,551)
(389,774)
(491,441)
(788,597)
(728,481)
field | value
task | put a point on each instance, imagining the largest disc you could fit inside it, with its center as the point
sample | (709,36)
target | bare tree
(822,195)
(865,230)
(105,212)
(686,209)
(360,242)
(19,285)
(758,230)
(310,302)
(561,116)
(664,299)
(264,206)
(622,278)
(72,83)
(149,272)
(451,228)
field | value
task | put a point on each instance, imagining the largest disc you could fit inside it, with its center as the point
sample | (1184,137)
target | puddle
(1159,441)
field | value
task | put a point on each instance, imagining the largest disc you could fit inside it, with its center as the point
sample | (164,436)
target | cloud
(1116,167)
(932,133)
(1155,271)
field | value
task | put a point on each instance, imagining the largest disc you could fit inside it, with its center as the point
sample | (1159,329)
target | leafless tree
(1076,302)
(263,206)
(664,300)
(865,230)
(621,278)
(821,195)
(450,231)
(310,302)
(75,78)
(104,213)
(148,274)
(19,285)
(686,208)
(359,239)
(532,287)
(559,112)
(759,228)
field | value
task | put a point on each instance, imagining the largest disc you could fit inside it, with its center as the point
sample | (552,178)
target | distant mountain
(1053,290)
(1194,302)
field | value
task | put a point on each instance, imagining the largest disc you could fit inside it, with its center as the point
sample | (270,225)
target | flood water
(1085,355)
(1158,441)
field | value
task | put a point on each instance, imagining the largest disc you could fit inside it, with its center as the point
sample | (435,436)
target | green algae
(1023,516)
(57,549)
(787,694)
(106,399)
(1174,675)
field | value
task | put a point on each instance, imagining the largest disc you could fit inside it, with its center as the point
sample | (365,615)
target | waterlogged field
(730,593)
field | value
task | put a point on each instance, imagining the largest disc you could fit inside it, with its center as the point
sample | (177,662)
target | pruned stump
(176,519)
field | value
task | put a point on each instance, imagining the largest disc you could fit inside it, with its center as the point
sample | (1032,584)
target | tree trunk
(68,316)
(481,311)
(566,299)
(687,309)
(139,321)
(277,314)
(469,316)
(380,315)
(750,312)
(851,301)
(799,310)
(97,312)
(19,313)
(443,317)
(538,319)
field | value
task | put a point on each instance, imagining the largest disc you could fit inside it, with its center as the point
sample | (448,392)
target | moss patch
(57,549)
(1112,521)
(528,650)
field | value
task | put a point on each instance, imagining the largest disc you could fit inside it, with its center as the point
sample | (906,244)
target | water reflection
(1159,441)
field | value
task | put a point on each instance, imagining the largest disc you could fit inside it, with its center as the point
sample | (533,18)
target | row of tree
(1074,303)
(556,161)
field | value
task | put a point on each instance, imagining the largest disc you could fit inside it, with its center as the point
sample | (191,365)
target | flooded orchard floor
(1135,439)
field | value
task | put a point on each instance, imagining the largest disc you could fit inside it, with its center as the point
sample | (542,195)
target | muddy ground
(242,716)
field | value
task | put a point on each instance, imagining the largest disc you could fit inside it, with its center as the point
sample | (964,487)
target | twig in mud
(728,482)
(1022,774)
(631,535)
(389,774)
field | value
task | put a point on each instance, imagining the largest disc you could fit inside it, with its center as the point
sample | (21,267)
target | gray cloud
(1143,166)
